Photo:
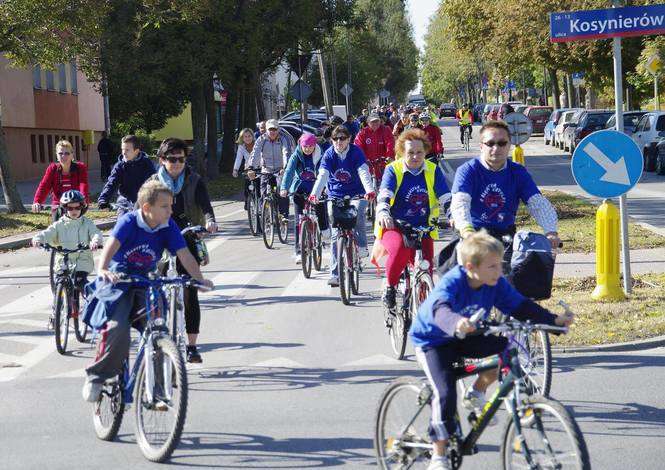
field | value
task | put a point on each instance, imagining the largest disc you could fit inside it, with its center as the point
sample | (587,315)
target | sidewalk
(584,264)
(27,189)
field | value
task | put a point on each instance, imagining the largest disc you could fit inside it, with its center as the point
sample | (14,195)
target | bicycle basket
(344,217)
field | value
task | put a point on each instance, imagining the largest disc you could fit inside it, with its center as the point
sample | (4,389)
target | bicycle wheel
(51,272)
(159,421)
(421,290)
(80,328)
(317,247)
(282,228)
(550,438)
(536,362)
(306,253)
(400,435)
(466,140)
(61,317)
(108,410)
(344,271)
(253,216)
(267,223)
(355,268)
(398,328)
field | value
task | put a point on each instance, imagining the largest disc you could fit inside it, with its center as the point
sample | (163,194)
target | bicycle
(537,428)
(271,218)
(253,207)
(376,183)
(67,300)
(467,137)
(349,268)
(157,382)
(415,284)
(311,244)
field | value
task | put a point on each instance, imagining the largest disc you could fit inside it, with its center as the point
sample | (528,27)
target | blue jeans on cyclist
(360,233)
(299,206)
(461,131)
(282,202)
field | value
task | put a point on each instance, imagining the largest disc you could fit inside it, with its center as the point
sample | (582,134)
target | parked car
(478,112)
(660,158)
(447,110)
(538,116)
(315,122)
(569,129)
(294,129)
(561,125)
(550,125)
(650,128)
(486,111)
(590,121)
(312,113)
(630,120)
(493,114)
(520,108)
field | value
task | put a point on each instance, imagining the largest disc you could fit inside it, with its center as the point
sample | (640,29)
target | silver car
(562,123)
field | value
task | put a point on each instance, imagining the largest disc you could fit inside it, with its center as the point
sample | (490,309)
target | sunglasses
(491,143)
(340,138)
(74,208)
(64,153)
(175,159)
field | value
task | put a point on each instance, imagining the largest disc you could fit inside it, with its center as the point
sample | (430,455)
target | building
(40,107)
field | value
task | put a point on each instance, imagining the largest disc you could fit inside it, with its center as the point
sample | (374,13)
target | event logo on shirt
(417,200)
(368,141)
(494,200)
(141,256)
(342,176)
(307,175)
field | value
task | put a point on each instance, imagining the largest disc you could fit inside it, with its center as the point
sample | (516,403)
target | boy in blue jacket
(128,174)
(476,283)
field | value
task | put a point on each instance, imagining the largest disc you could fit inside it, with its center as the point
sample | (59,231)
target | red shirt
(434,135)
(56,183)
(375,144)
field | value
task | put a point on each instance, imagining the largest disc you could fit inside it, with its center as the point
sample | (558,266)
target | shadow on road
(207,347)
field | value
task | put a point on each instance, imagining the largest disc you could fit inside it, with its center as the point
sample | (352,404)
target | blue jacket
(291,178)
(127,177)
(101,299)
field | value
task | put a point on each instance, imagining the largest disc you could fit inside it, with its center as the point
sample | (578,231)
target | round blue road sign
(607,164)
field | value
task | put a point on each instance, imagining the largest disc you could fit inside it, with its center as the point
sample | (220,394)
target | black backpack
(532,265)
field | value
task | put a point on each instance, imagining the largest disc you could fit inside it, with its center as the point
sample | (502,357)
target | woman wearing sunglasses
(60,177)
(487,191)
(191,206)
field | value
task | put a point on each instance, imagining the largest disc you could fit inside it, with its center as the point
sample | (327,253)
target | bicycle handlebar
(161,280)
(58,249)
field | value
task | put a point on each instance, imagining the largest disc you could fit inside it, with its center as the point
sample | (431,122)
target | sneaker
(439,463)
(193,356)
(474,400)
(333,282)
(297,258)
(363,252)
(91,390)
(388,298)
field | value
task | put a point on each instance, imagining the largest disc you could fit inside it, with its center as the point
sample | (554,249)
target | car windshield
(597,120)
(629,119)
(539,112)
(660,125)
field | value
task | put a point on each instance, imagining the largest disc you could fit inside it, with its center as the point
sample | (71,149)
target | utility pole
(325,84)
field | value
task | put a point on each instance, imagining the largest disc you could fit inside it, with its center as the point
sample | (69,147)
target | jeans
(360,233)
(461,131)
(282,202)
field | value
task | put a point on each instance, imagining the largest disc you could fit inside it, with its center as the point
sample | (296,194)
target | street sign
(383,93)
(346,90)
(300,90)
(654,64)
(607,23)
(578,78)
(520,127)
(607,164)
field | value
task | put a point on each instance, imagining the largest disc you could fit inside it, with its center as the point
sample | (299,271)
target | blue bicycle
(157,383)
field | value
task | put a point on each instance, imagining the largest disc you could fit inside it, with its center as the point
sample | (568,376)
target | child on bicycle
(134,247)
(476,283)
(72,229)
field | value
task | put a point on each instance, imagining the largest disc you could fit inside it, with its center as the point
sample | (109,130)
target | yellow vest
(430,174)
(464,117)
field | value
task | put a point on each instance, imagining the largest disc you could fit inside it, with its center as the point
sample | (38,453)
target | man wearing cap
(398,128)
(376,141)
(433,135)
(271,152)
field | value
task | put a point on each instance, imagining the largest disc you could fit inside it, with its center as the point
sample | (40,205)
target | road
(290,378)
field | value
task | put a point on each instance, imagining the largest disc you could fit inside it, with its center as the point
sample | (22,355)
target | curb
(22,241)
(637,345)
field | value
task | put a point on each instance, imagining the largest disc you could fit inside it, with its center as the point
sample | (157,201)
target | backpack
(532,265)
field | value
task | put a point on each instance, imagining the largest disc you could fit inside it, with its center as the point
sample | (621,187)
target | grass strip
(15,224)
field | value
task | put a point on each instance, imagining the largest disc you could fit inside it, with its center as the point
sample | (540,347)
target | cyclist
(270,153)
(398,128)
(344,172)
(131,170)
(414,123)
(465,121)
(134,247)
(191,206)
(412,189)
(352,126)
(60,177)
(299,179)
(72,229)
(475,284)
(376,141)
(487,191)
(245,145)
(433,132)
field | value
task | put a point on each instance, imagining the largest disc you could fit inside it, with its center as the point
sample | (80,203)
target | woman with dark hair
(191,206)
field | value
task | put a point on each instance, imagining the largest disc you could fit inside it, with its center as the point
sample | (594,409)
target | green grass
(225,186)
(15,224)
(640,316)
(577,225)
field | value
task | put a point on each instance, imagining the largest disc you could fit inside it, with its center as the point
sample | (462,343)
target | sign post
(654,65)
(520,130)
(346,91)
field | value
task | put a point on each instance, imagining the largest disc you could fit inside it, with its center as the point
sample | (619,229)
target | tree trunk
(211,108)
(199,126)
(258,94)
(229,125)
(554,88)
(570,91)
(12,196)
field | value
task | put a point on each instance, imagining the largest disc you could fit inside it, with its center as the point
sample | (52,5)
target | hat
(307,140)
(373,117)
(272,124)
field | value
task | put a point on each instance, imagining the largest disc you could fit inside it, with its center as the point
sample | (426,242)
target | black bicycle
(271,219)
(67,303)
(349,267)
(253,206)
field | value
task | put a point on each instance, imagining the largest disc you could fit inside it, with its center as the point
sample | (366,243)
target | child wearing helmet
(72,229)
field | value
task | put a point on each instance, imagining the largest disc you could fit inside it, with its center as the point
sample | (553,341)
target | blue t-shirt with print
(412,201)
(344,179)
(140,249)
(495,195)
(307,175)
(454,289)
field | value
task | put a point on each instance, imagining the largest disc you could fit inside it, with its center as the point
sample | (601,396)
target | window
(37,77)
(42,155)
(50,80)
(640,126)
(33,147)
(660,124)
(72,78)
(647,123)
(62,78)
(49,146)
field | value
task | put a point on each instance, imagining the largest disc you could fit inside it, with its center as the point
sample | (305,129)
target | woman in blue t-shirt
(298,180)
(344,172)
(406,195)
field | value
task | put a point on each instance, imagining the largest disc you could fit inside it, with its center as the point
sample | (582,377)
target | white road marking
(44,348)
(376,360)
(37,301)
(280,362)
(230,283)
(316,286)
(230,214)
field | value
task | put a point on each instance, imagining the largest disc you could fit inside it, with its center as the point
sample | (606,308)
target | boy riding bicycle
(474,285)
(134,247)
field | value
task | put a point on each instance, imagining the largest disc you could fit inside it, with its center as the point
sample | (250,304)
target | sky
(419,14)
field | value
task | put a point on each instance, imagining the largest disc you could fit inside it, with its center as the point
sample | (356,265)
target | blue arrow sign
(607,164)
(607,23)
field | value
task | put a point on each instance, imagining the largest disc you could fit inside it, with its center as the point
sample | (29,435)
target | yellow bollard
(518,155)
(607,253)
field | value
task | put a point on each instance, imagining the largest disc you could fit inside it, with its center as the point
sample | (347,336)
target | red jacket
(51,182)
(374,144)
(434,135)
